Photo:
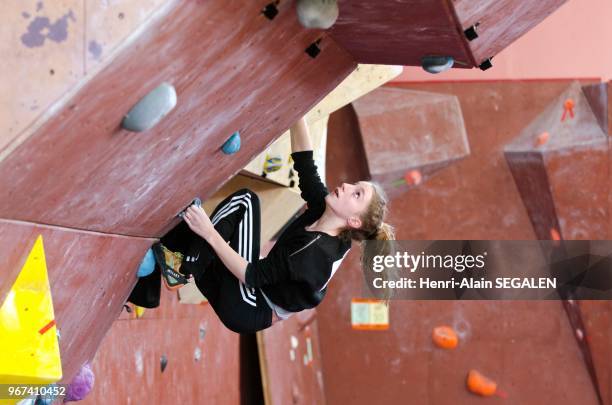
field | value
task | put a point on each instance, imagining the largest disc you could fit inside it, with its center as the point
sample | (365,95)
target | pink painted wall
(574,41)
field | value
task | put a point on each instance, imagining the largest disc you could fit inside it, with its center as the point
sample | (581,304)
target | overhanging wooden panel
(90,274)
(399,32)
(232,72)
(501,22)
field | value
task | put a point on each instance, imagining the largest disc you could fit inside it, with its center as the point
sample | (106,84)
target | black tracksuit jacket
(295,273)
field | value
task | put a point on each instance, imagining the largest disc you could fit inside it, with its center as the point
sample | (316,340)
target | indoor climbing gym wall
(480,120)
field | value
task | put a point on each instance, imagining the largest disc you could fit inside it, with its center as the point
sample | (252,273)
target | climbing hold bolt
(472,32)
(150,109)
(313,49)
(270,10)
(486,64)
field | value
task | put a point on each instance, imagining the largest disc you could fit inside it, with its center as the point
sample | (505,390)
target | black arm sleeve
(312,188)
(273,269)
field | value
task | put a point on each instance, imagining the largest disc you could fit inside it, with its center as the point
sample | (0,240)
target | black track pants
(237,219)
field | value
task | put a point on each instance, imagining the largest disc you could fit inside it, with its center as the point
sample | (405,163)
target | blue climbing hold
(148,264)
(437,64)
(50,395)
(232,145)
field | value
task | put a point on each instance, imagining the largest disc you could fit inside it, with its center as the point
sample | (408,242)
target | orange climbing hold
(413,177)
(481,385)
(554,235)
(542,138)
(568,107)
(445,337)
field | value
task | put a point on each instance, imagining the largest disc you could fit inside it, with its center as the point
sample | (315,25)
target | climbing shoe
(169,263)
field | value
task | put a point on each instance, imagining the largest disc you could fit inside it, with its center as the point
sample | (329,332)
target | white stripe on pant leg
(232,203)
(227,211)
(241,253)
(247,236)
(216,220)
(241,249)
(246,246)
(250,222)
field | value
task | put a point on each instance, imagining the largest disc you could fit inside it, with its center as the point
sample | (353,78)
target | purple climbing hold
(81,384)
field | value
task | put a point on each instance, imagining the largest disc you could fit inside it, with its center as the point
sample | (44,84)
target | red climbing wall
(547,172)
(597,316)
(203,358)
(290,355)
(529,348)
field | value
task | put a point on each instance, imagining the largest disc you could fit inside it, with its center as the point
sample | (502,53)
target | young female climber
(221,252)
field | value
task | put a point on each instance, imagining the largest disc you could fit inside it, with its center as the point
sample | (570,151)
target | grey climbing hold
(150,109)
(437,64)
(319,14)
(196,201)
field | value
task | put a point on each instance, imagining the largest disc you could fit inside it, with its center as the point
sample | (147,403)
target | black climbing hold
(128,309)
(150,109)
(313,49)
(486,64)
(437,64)
(472,32)
(264,174)
(292,183)
(163,362)
(270,10)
